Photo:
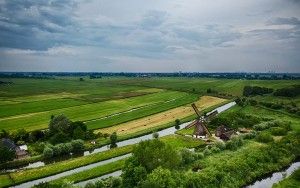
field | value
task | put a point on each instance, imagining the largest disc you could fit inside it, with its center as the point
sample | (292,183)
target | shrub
(48,152)
(264,137)
(253,102)
(77,145)
(214,149)
(250,135)
(113,140)
(160,177)
(6,154)
(199,155)
(261,126)
(59,138)
(220,145)
(206,152)
(278,131)
(57,150)
(66,148)
(234,143)
(155,135)
(187,156)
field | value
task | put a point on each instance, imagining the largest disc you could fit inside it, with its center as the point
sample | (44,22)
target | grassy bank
(292,181)
(92,173)
(175,141)
(241,167)
(32,174)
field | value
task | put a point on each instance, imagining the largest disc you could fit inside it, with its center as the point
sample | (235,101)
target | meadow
(200,85)
(148,103)
(133,107)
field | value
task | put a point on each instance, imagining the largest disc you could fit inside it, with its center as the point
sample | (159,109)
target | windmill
(200,128)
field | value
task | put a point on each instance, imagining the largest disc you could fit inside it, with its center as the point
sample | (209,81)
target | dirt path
(162,118)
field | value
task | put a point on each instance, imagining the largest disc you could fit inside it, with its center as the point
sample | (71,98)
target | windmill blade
(206,129)
(191,124)
(196,110)
(211,115)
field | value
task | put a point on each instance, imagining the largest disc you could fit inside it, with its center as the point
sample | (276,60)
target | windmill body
(200,128)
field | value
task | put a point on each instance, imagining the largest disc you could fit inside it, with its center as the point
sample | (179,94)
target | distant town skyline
(150,36)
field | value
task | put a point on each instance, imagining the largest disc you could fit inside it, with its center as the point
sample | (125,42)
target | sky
(150,35)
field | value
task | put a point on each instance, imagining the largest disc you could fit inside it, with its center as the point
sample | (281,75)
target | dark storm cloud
(147,35)
(33,24)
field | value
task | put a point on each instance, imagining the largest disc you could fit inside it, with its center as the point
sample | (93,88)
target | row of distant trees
(284,92)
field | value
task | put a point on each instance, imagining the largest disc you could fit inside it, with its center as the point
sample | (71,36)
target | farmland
(131,108)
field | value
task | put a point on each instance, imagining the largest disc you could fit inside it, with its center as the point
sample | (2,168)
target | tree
(177,124)
(153,153)
(160,178)
(133,173)
(59,137)
(78,145)
(4,134)
(59,123)
(81,79)
(113,140)
(74,125)
(36,135)
(78,133)
(21,135)
(6,154)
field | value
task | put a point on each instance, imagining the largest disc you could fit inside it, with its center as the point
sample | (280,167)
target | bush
(253,102)
(264,137)
(155,135)
(261,126)
(206,152)
(214,149)
(187,156)
(278,131)
(220,145)
(59,138)
(288,92)
(234,143)
(113,140)
(48,152)
(6,154)
(256,90)
(250,135)
(199,155)
(77,145)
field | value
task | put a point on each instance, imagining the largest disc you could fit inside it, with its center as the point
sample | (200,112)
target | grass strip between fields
(92,173)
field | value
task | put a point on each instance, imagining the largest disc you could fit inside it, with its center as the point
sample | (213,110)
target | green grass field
(29,103)
(85,112)
(231,86)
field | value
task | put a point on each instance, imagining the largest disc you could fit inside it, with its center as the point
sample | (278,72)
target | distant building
(21,152)
(224,132)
